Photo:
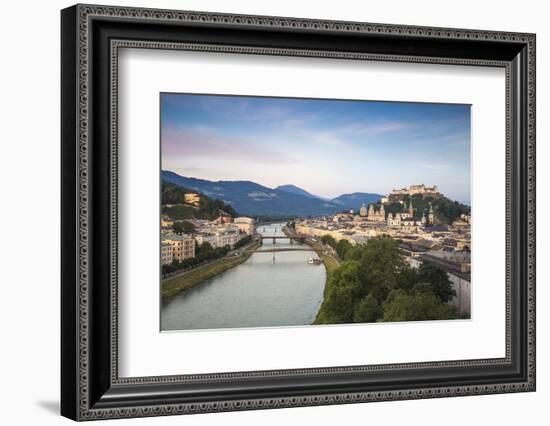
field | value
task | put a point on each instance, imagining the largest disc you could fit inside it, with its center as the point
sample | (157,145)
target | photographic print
(307,212)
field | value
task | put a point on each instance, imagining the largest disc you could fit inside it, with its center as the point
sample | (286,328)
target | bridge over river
(274,238)
(260,292)
(272,248)
(277,249)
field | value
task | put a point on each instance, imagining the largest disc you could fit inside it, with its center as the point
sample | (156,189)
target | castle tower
(431,215)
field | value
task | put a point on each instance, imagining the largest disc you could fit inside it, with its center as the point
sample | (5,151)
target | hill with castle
(414,205)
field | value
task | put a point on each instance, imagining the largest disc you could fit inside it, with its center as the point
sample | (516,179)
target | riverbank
(173,286)
(330,262)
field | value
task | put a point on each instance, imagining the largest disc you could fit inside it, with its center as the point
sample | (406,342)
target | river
(256,293)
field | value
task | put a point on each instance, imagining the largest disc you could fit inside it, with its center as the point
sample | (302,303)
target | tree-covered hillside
(208,208)
(445,210)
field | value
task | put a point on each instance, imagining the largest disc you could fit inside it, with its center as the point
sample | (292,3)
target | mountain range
(293,189)
(252,199)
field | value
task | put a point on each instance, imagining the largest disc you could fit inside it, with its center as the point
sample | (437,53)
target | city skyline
(326,147)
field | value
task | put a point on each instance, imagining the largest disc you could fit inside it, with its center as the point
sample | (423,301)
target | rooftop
(176,237)
(438,228)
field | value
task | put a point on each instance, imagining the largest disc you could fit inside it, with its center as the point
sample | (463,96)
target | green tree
(438,280)
(242,242)
(445,210)
(407,279)
(206,247)
(381,263)
(329,240)
(179,212)
(354,253)
(183,227)
(368,310)
(344,288)
(421,306)
(342,248)
(374,283)
(211,208)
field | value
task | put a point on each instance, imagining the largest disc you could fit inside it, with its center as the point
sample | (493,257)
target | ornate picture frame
(91,37)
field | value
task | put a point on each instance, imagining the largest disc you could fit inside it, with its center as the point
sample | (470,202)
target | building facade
(224,218)
(220,236)
(245,224)
(376,216)
(193,199)
(183,246)
(204,237)
(166,254)
(228,238)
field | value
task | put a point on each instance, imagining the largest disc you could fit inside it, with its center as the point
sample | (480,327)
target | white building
(211,239)
(228,238)
(245,224)
(220,236)
(166,254)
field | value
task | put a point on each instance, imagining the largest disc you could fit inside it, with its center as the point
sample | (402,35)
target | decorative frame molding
(91,37)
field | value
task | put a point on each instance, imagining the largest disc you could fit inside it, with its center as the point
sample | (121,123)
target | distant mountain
(354,200)
(251,199)
(293,189)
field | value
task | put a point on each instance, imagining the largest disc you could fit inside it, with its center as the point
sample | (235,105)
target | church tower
(371,211)
(423,219)
(363,210)
(382,213)
(431,215)
(411,210)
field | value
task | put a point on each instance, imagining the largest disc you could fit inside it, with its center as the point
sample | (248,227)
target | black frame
(90,386)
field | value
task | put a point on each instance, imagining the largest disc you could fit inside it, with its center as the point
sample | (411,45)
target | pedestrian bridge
(274,238)
(278,249)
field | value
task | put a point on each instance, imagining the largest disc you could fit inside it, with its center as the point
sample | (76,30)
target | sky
(327,147)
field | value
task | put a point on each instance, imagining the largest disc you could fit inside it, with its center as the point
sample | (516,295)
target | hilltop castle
(416,189)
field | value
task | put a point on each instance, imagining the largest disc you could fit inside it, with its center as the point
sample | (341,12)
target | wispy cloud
(202,141)
(244,108)
(326,146)
(324,138)
(374,128)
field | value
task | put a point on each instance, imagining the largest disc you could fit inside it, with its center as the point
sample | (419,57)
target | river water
(256,293)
